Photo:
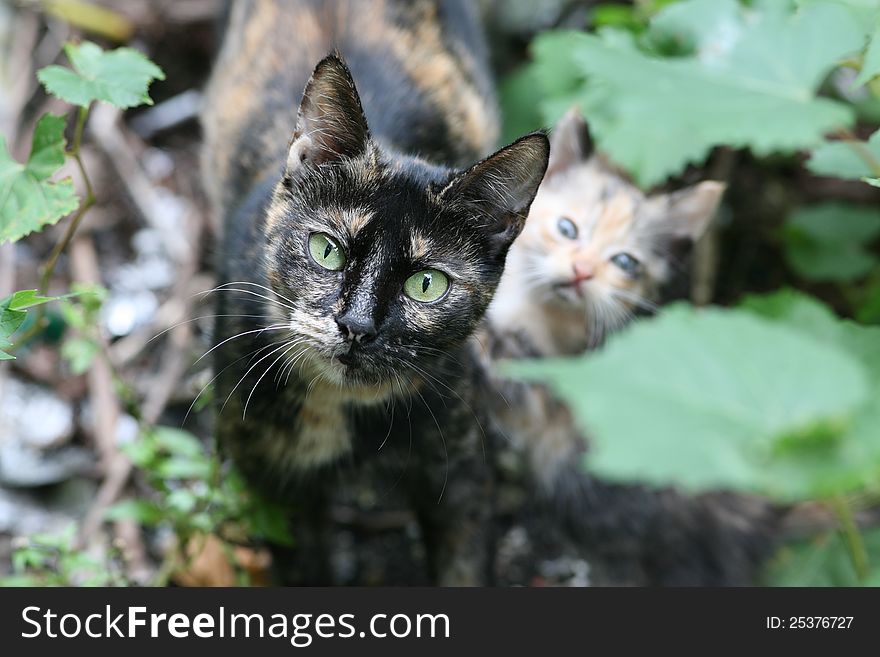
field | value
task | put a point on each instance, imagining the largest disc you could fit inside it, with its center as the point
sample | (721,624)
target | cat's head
(383,261)
(594,241)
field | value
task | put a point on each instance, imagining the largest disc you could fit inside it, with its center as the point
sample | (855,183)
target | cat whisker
(218,374)
(195,319)
(268,289)
(460,398)
(276,302)
(254,389)
(244,376)
(442,440)
(271,327)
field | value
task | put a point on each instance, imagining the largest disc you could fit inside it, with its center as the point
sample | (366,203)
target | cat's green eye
(326,252)
(426,286)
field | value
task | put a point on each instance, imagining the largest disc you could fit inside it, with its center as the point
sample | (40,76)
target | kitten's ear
(570,142)
(502,186)
(687,213)
(330,124)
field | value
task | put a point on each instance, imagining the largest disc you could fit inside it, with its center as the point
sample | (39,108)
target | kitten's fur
(318,368)
(562,290)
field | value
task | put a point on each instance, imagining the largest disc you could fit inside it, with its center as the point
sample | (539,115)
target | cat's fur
(319,369)
(562,290)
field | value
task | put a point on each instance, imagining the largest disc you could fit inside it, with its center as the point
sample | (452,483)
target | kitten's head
(595,242)
(384,261)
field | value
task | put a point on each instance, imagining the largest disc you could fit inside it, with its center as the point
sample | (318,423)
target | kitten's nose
(356,328)
(582,273)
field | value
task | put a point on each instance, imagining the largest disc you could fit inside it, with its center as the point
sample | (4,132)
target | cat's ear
(502,186)
(686,213)
(570,142)
(330,124)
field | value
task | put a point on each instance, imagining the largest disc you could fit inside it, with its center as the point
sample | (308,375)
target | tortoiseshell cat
(594,250)
(356,263)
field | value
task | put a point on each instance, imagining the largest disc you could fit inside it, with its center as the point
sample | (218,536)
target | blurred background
(103,409)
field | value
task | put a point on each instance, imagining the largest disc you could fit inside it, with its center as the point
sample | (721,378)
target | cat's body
(325,357)
(356,263)
(595,251)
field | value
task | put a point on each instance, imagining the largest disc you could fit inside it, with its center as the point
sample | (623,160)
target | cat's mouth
(571,291)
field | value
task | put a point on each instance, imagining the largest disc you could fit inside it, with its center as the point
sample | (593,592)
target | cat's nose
(582,273)
(356,328)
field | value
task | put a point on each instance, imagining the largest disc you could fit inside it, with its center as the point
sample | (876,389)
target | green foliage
(823,561)
(847,159)
(56,560)
(828,242)
(80,353)
(731,75)
(13,311)
(29,199)
(871,65)
(120,77)
(784,401)
(195,493)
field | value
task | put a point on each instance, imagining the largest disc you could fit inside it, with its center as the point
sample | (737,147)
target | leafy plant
(829,241)
(29,198)
(740,406)
(743,76)
(195,494)
(56,560)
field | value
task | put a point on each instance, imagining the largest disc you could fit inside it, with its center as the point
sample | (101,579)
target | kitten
(356,263)
(595,250)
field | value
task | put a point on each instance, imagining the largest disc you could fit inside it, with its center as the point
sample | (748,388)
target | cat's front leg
(453,500)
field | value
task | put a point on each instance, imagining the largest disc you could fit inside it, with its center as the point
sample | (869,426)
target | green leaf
(871,62)
(823,561)
(181,500)
(721,398)
(24,299)
(141,511)
(120,77)
(178,442)
(828,241)
(520,102)
(10,320)
(865,12)
(79,353)
(847,159)
(753,85)
(874,182)
(181,468)
(12,314)
(142,452)
(868,311)
(28,199)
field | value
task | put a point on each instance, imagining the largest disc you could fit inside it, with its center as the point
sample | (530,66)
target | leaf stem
(857,551)
(89,201)
(48,268)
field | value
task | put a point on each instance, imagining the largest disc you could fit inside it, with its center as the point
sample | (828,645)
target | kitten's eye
(426,286)
(627,263)
(567,228)
(326,252)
